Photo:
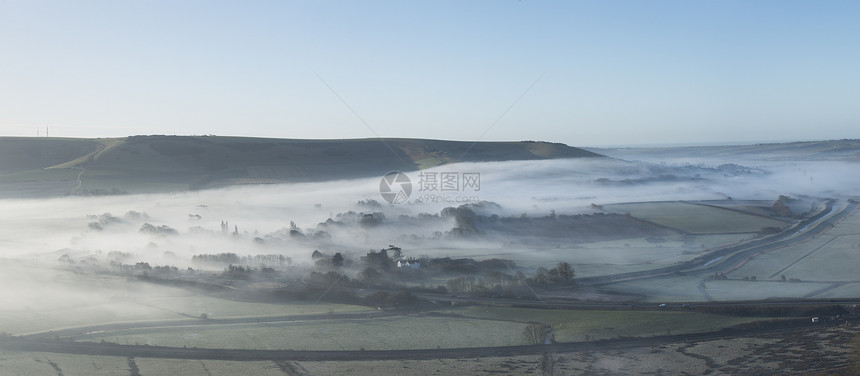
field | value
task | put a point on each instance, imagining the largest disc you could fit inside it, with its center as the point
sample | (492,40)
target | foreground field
(832,256)
(580,325)
(376,334)
(814,350)
(480,326)
(69,300)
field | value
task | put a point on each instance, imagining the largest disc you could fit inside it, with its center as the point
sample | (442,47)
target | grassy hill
(39,167)
(833,150)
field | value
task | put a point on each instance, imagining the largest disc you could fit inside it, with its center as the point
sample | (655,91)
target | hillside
(833,150)
(41,167)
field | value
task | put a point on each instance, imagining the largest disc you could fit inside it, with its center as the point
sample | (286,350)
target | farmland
(78,273)
(695,218)
(405,332)
(460,327)
(830,257)
(580,325)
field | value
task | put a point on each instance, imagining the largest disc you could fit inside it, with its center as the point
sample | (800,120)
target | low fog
(39,239)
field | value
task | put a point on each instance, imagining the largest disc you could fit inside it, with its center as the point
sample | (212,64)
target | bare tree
(565,271)
(337,260)
(534,334)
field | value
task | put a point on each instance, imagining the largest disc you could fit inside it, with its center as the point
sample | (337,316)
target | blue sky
(586,73)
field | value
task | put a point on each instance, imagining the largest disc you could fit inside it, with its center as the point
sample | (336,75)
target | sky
(585,73)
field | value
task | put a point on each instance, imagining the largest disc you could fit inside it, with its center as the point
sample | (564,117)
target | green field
(475,327)
(829,257)
(696,219)
(401,332)
(575,325)
(822,259)
(72,300)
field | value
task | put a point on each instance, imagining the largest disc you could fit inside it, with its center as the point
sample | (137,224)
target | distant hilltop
(42,167)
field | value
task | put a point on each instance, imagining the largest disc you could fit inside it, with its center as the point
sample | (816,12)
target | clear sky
(585,73)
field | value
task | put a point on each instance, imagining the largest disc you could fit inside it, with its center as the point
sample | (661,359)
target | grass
(105,145)
(53,174)
(428,162)
(147,164)
(222,308)
(187,367)
(371,334)
(824,258)
(755,290)
(696,219)
(575,325)
(30,153)
(836,260)
(479,326)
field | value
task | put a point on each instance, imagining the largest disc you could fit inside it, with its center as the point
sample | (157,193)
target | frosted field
(832,256)
(837,260)
(377,334)
(696,219)
(826,266)
(774,263)
(578,325)
(755,290)
(55,299)
(690,289)
(478,326)
(37,363)
(74,365)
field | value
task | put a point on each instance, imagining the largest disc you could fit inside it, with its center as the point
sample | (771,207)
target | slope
(144,164)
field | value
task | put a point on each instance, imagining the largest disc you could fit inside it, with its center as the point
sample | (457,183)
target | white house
(406,264)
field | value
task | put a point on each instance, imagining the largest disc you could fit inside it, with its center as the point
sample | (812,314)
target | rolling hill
(833,150)
(43,167)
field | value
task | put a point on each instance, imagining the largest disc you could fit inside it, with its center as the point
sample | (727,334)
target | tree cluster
(561,273)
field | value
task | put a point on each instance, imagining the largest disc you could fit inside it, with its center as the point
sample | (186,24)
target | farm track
(132,351)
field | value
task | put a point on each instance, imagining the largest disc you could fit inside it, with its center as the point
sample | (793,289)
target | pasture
(578,325)
(695,218)
(400,332)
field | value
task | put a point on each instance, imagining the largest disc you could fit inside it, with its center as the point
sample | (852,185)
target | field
(695,218)
(825,349)
(471,327)
(830,257)
(67,300)
(776,263)
(580,325)
(18,363)
(402,332)
(604,257)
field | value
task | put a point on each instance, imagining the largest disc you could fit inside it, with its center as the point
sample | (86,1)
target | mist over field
(126,268)
(481,188)
(46,229)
